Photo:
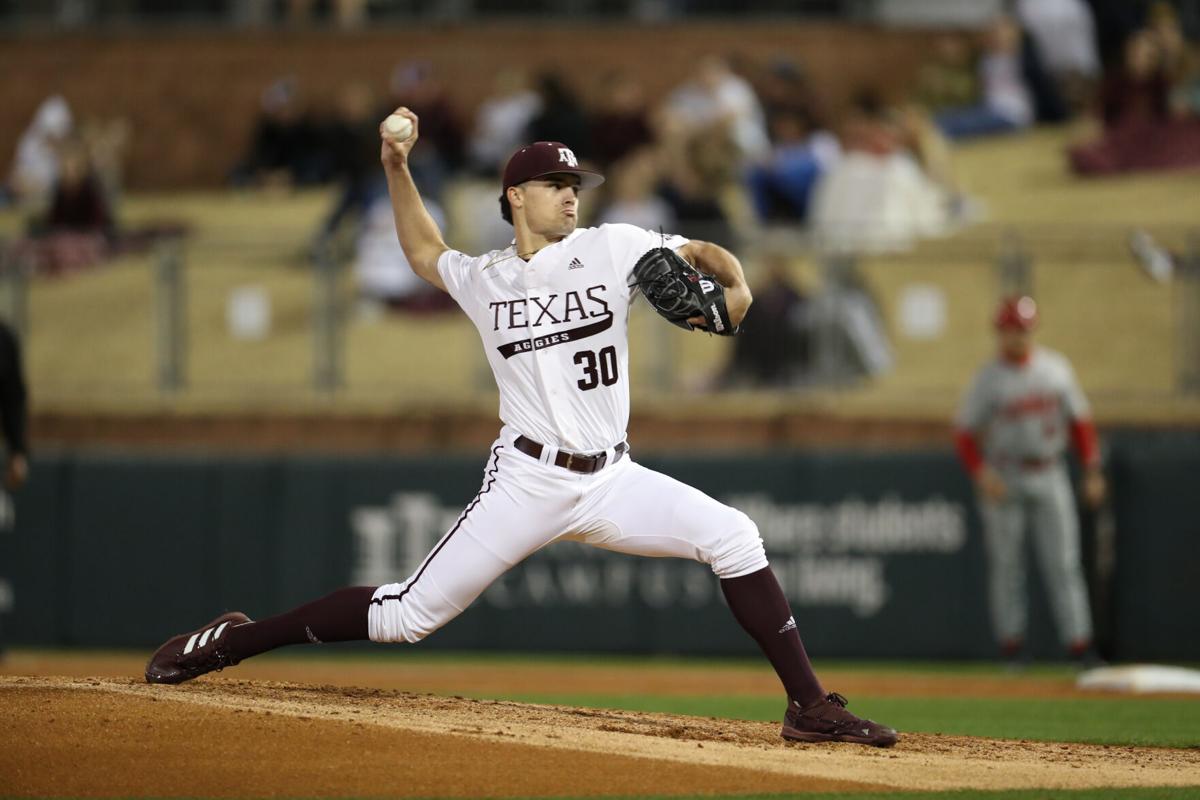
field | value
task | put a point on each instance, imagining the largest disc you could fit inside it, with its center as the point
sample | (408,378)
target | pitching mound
(220,737)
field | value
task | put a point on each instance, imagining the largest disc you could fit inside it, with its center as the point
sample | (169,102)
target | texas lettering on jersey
(534,311)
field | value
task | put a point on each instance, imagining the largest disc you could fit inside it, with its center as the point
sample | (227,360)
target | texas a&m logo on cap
(547,158)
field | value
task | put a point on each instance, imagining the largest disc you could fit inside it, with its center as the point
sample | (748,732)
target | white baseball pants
(525,504)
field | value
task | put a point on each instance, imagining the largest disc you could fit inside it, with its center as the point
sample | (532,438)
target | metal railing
(855,328)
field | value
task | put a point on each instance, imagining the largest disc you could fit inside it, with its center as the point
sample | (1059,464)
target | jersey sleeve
(456,270)
(628,243)
(974,409)
(1074,402)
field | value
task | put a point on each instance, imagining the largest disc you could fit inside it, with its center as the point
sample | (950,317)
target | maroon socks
(337,617)
(759,605)
(756,600)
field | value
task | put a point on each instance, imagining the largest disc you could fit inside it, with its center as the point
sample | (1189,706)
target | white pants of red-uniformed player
(526,504)
(1041,502)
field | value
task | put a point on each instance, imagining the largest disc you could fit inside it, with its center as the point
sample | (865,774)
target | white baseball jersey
(555,331)
(1023,411)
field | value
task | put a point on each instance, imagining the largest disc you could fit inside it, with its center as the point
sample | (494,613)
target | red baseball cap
(1018,313)
(547,158)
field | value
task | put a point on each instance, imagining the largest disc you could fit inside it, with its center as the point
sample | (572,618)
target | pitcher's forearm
(716,261)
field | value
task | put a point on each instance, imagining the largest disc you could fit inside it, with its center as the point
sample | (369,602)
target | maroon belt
(576,462)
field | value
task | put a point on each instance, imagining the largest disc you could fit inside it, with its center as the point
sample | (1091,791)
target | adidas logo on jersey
(790,625)
(575,264)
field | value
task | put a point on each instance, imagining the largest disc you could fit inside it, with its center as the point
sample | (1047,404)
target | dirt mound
(401,743)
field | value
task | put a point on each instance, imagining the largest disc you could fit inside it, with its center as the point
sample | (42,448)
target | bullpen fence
(880,553)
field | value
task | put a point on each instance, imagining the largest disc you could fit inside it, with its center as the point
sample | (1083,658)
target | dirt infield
(222,737)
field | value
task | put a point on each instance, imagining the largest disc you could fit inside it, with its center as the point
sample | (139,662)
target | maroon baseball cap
(547,158)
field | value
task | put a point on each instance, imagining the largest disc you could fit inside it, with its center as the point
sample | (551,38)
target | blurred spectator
(716,100)
(1163,23)
(353,149)
(1139,131)
(501,122)
(106,143)
(785,86)
(77,230)
(620,124)
(1048,103)
(922,138)
(774,347)
(384,277)
(1138,93)
(35,169)
(856,343)
(1064,35)
(632,181)
(948,79)
(285,148)
(560,117)
(413,84)
(1116,21)
(849,338)
(695,175)
(877,197)
(1005,103)
(78,203)
(781,185)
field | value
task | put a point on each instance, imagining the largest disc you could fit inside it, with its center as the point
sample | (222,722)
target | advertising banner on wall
(880,554)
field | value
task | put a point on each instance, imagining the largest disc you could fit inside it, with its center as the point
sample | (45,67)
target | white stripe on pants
(525,505)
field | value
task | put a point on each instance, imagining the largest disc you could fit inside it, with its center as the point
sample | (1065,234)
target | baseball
(398,127)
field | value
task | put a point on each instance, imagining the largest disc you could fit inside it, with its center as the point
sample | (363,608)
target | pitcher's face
(550,204)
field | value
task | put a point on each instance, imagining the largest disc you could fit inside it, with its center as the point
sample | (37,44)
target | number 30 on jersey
(598,368)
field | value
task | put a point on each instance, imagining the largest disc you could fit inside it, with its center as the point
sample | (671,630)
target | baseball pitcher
(1012,431)
(551,310)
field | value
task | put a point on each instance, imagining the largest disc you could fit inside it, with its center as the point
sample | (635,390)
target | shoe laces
(834,713)
(837,699)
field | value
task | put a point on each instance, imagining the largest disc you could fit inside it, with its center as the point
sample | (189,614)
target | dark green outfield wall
(879,552)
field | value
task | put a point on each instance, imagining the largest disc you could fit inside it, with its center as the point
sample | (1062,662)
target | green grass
(358,652)
(1119,721)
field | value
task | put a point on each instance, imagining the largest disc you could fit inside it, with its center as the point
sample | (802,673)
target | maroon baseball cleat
(827,720)
(190,655)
